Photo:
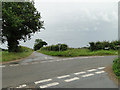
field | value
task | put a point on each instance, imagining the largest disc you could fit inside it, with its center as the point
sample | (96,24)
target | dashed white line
(41,81)
(99,72)
(101,67)
(63,76)
(49,85)
(91,70)
(79,73)
(72,79)
(87,75)
(22,86)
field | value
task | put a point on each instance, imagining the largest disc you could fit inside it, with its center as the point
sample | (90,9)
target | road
(42,71)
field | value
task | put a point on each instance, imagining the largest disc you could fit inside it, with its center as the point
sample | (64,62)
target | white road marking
(72,79)
(46,57)
(24,64)
(43,61)
(34,62)
(49,85)
(63,76)
(58,60)
(91,70)
(51,61)
(99,72)
(22,86)
(84,57)
(2,65)
(87,75)
(41,81)
(79,73)
(14,65)
(101,67)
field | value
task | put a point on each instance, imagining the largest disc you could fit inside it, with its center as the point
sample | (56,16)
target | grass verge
(79,52)
(116,67)
(10,56)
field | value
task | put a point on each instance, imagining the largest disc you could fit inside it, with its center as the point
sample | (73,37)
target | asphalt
(24,74)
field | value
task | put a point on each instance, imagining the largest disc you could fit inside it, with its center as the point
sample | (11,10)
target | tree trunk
(13,45)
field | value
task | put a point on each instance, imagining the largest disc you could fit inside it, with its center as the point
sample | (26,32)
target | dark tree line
(103,45)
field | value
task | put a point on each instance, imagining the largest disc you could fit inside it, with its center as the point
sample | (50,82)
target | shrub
(104,45)
(116,67)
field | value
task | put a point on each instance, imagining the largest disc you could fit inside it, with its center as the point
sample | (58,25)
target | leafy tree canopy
(19,21)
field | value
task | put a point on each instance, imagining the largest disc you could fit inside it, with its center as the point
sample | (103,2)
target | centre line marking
(79,73)
(46,80)
(91,70)
(101,67)
(49,85)
(87,75)
(99,72)
(72,79)
(63,76)
(21,86)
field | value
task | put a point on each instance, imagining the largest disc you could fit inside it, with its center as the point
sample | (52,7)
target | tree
(19,21)
(92,46)
(39,43)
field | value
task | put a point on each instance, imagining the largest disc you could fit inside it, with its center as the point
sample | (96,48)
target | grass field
(79,52)
(10,56)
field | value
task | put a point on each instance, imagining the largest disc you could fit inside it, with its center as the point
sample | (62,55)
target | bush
(116,67)
(106,45)
(63,47)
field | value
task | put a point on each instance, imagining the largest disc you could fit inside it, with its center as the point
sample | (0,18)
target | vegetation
(10,56)
(61,47)
(72,52)
(38,44)
(20,21)
(116,67)
(104,45)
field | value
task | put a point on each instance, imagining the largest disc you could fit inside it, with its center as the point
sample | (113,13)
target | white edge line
(21,86)
(91,70)
(41,81)
(14,65)
(34,62)
(49,85)
(72,79)
(101,67)
(79,73)
(87,75)
(2,66)
(63,76)
(99,72)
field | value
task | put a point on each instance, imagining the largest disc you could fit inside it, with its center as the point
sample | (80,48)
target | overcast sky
(77,22)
